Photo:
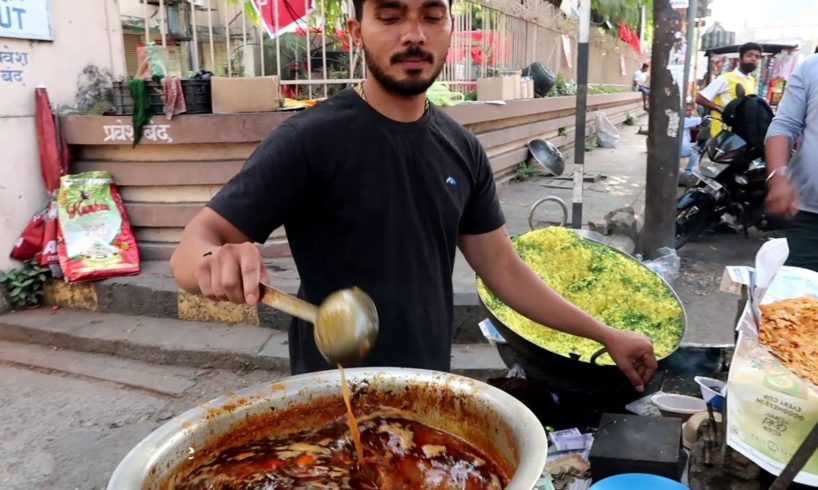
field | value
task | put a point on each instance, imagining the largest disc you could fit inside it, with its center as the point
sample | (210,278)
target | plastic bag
(30,242)
(153,62)
(667,265)
(516,371)
(94,235)
(49,256)
(606,133)
(440,95)
(490,332)
(514,382)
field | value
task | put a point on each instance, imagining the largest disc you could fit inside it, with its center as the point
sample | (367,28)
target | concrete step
(126,372)
(154,293)
(188,343)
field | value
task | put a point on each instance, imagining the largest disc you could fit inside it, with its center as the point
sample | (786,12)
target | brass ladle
(346,323)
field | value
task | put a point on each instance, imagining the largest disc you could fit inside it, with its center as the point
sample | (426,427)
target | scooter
(729,192)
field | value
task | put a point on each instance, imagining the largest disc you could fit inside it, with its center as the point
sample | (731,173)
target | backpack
(749,117)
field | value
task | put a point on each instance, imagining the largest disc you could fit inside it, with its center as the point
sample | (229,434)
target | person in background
(718,64)
(793,184)
(692,121)
(725,87)
(640,83)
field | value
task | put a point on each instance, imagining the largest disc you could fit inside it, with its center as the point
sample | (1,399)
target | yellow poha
(607,285)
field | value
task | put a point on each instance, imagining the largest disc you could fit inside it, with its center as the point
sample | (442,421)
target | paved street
(711,313)
(63,431)
(624,184)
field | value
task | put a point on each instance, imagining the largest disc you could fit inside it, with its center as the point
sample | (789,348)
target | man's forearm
(704,101)
(524,292)
(777,151)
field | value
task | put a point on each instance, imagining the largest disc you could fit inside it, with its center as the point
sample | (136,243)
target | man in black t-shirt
(376,189)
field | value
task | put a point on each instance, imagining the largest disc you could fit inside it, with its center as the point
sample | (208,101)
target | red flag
(52,153)
(53,164)
(288,11)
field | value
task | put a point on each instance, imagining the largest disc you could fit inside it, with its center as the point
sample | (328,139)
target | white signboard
(679,4)
(25,19)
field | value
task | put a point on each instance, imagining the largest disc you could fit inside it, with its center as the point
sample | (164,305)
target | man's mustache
(414,52)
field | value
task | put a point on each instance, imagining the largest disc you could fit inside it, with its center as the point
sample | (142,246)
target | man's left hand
(633,353)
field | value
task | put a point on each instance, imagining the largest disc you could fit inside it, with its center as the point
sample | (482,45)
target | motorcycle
(730,188)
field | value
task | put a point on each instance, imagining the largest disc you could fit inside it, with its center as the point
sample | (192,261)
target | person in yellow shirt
(725,87)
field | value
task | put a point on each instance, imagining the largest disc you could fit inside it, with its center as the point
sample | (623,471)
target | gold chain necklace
(359,89)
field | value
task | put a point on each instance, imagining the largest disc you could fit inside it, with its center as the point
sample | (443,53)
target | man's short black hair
(359,7)
(749,47)
(645,65)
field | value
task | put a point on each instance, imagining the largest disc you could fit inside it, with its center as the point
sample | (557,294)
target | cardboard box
(729,284)
(517,80)
(256,94)
(496,88)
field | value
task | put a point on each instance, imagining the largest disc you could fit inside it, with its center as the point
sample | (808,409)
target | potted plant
(24,285)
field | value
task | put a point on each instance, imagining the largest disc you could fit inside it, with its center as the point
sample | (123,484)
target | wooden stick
(723,456)
(260,31)
(195,44)
(713,421)
(162,26)
(227,38)
(798,461)
(244,39)
(147,23)
(210,37)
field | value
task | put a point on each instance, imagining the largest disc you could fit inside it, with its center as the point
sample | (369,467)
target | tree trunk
(664,135)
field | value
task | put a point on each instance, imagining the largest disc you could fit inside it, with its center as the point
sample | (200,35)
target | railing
(312,59)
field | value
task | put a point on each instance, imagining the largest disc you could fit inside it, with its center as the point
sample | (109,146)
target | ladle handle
(288,303)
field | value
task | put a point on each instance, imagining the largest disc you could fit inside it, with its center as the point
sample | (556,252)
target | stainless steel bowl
(548,156)
(493,421)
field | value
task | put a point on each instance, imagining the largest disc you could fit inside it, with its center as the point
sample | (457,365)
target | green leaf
(27,282)
(15,292)
(41,277)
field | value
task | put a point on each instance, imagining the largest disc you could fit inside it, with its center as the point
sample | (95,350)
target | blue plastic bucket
(637,481)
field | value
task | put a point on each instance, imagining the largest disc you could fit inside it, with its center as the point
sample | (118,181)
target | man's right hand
(781,199)
(232,272)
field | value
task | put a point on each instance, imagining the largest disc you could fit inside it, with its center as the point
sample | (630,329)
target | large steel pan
(492,421)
